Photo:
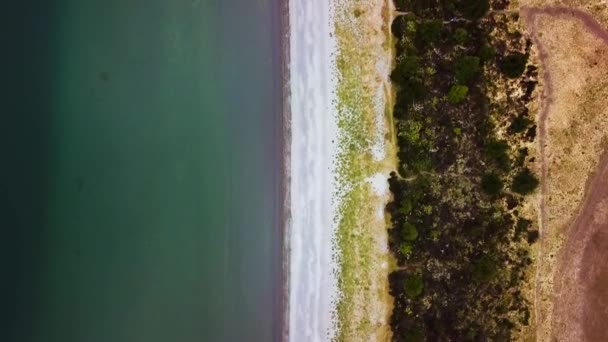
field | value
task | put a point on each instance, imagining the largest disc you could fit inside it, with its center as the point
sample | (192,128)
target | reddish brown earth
(581,280)
(581,300)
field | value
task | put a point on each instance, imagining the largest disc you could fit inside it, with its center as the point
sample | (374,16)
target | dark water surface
(139,183)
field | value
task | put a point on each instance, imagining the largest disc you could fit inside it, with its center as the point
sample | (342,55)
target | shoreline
(284,144)
(332,191)
(310,177)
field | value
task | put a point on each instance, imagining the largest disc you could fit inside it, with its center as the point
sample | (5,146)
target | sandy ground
(571,48)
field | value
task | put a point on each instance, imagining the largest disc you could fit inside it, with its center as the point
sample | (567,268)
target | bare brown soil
(582,289)
(572,278)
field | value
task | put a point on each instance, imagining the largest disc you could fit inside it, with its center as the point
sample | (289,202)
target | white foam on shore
(314,136)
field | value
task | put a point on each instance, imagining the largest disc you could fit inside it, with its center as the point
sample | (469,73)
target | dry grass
(576,133)
(364,103)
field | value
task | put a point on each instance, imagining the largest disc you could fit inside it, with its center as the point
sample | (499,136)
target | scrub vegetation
(463,83)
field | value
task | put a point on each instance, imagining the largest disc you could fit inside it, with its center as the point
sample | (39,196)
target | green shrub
(496,151)
(398,26)
(407,69)
(422,7)
(406,249)
(409,91)
(525,182)
(486,52)
(523,224)
(413,286)
(402,5)
(522,154)
(514,64)
(474,9)
(414,335)
(484,270)
(466,68)
(429,31)
(457,93)
(491,184)
(406,206)
(460,35)
(519,124)
(533,236)
(403,25)
(410,233)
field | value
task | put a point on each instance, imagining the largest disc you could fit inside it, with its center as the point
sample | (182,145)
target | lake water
(140,193)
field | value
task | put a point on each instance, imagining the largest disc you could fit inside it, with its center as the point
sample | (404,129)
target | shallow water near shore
(141,201)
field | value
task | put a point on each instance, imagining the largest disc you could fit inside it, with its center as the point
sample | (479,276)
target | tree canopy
(466,68)
(473,9)
(410,233)
(413,285)
(491,184)
(514,64)
(460,35)
(525,182)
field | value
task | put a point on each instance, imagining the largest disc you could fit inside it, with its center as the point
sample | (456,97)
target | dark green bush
(520,124)
(473,9)
(410,233)
(525,182)
(414,335)
(413,285)
(484,270)
(522,154)
(486,52)
(523,224)
(533,236)
(460,35)
(491,184)
(496,151)
(465,68)
(409,91)
(423,8)
(398,26)
(406,68)
(514,64)
(429,31)
(402,5)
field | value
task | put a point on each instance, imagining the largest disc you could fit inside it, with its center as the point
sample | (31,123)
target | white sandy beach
(339,258)
(313,278)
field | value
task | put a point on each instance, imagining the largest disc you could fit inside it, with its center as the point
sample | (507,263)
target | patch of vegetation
(514,64)
(466,68)
(457,93)
(410,233)
(455,230)
(497,152)
(484,270)
(486,53)
(429,31)
(413,286)
(525,182)
(491,184)
(473,9)
(460,35)
(520,124)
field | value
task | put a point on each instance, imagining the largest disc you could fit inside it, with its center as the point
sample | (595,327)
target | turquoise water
(142,195)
